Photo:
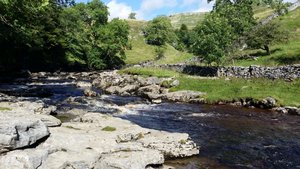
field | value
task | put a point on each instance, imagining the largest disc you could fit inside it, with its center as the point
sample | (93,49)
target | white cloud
(150,5)
(118,10)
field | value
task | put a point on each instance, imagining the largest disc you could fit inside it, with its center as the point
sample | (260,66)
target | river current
(229,137)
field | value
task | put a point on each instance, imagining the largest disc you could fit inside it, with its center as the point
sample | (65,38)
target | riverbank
(281,95)
(122,124)
(32,137)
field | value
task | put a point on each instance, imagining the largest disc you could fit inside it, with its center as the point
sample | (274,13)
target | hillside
(282,53)
(189,19)
(142,52)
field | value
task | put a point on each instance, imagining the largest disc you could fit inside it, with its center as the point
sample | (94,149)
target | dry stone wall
(281,72)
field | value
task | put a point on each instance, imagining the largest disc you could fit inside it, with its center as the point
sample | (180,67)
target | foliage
(143,52)
(220,32)
(160,52)
(30,33)
(282,53)
(132,15)
(265,35)
(214,37)
(239,14)
(184,38)
(159,31)
(47,34)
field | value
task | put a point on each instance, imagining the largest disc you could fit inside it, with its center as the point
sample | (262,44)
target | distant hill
(282,53)
(142,52)
(190,19)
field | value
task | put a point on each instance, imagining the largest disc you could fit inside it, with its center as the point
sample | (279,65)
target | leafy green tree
(213,39)
(185,37)
(159,31)
(265,35)
(132,15)
(92,40)
(30,33)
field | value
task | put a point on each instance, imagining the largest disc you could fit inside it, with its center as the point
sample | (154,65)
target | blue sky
(148,9)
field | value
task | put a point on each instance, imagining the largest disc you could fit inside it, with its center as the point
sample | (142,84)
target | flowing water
(230,137)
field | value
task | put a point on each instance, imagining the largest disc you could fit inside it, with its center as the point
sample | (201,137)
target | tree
(30,33)
(50,34)
(91,39)
(184,37)
(132,15)
(264,35)
(159,31)
(213,39)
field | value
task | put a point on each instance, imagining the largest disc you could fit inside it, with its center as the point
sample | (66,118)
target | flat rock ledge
(91,141)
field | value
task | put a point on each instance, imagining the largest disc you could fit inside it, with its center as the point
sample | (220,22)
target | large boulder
(17,132)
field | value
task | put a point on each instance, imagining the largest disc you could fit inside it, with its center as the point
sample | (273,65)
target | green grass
(109,128)
(282,53)
(149,72)
(142,52)
(173,56)
(189,19)
(287,93)
(262,12)
(221,90)
(5,109)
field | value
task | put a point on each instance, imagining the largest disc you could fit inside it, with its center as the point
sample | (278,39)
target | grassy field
(142,52)
(287,93)
(262,12)
(282,53)
(189,19)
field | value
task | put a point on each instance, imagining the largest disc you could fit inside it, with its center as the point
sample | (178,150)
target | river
(230,137)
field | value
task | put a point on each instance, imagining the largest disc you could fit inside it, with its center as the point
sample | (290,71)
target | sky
(148,9)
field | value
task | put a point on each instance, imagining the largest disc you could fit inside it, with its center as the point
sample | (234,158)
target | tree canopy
(159,31)
(53,34)
(225,28)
